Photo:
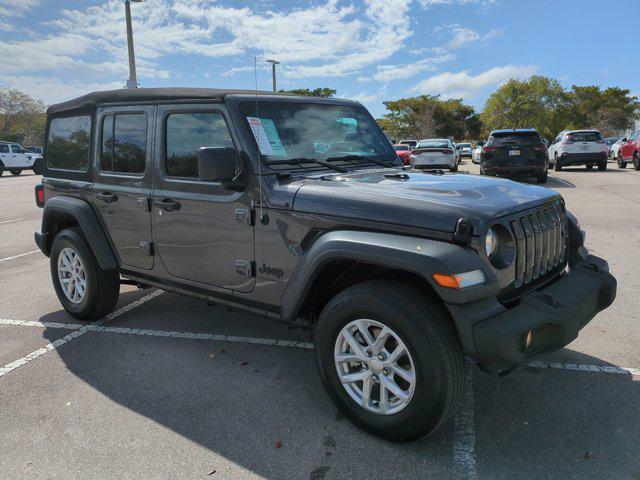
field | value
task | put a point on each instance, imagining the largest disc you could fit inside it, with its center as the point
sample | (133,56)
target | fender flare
(87,221)
(420,256)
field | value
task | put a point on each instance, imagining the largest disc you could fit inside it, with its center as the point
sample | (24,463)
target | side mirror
(625,140)
(217,164)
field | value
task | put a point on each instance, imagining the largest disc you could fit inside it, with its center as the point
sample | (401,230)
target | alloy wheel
(375,366)
(71,275)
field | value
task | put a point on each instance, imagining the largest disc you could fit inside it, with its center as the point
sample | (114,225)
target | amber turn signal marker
(447,281)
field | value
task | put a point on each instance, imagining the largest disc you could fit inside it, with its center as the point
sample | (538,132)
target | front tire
(621,162)
(636,161)
(602,166)
(37,167)
(84,289)
(397,396)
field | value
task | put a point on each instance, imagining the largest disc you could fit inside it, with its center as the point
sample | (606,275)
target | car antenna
(263,218)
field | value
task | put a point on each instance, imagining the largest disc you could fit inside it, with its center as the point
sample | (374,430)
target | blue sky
(370,50)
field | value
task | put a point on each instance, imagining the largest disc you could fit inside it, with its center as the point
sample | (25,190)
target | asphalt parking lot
(171,387)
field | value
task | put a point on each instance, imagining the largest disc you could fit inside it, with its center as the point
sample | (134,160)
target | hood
(422,200)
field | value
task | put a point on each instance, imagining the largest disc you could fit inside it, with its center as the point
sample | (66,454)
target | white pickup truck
(15,159)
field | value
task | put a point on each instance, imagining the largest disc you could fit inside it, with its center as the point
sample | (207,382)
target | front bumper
(554,314)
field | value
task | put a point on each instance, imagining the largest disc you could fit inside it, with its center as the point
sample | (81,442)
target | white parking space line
(10,221)
(37,323)
(75,334)
(464,431)
(18,256)
(577,367)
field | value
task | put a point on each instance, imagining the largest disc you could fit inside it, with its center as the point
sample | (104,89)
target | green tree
(316,92)
(428,116)
(611,111)
(22,117)
(538,102)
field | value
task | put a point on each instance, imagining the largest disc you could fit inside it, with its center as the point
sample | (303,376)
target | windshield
(288,130)
(518,138)
(433,144)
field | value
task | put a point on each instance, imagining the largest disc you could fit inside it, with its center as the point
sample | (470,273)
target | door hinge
(144,203)
(146,247)
(246,268)
(244,215)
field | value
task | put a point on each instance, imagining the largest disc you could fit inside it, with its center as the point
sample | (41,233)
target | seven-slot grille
(541,241)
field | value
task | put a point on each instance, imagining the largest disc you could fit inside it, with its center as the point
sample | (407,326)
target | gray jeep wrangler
(298,208)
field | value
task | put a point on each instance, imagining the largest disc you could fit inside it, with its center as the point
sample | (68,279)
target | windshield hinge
(463,232)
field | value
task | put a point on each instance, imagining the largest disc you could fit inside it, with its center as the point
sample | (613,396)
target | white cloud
(436,3)
(462,36)
(387,73)
(54,90)
(16,8)
(463,85)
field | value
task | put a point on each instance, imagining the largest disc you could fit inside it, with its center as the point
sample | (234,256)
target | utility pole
(133,78)
(273,72)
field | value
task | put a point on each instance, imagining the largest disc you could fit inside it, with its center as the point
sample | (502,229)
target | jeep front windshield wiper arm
(367,159)
(300,160)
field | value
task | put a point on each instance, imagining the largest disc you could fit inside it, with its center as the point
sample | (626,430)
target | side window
(124,143)
(16,149)
(68,143)
(185,133)
(4,148)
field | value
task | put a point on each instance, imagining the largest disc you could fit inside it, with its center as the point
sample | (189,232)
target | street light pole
(133,78)
(273,72)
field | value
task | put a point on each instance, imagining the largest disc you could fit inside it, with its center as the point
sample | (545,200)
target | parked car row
(629,151)
(15,159)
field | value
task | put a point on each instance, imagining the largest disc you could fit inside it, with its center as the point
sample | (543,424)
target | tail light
(599,141)
(540,148)
(448,152)
(568,141)
(40,195)
(488,148)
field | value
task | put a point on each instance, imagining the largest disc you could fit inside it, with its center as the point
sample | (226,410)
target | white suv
(578,147)
(15,159)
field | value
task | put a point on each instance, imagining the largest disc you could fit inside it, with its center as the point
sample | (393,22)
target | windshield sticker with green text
(266,135)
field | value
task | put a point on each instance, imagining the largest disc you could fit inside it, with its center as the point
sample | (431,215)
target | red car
(403,152)
(630,151)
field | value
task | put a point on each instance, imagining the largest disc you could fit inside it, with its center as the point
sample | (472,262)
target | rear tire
(542,178)
(433,356)
(636,161)
(557,166)
(602,166)
(1,168)
(454,169)
(101,289)
(15,173)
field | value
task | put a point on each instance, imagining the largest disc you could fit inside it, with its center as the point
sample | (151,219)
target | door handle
(107,197)
(167,204)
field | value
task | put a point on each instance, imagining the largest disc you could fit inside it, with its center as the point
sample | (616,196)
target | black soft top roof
(126,95)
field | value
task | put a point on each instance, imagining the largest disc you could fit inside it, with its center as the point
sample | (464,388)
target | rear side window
(68,143)
(124,143)
(186,133)
(517,138)
(585,136)
(4,148)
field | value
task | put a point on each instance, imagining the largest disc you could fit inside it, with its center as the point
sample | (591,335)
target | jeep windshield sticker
(266,135)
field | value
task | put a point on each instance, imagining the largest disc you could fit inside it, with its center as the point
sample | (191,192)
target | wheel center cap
(375,365)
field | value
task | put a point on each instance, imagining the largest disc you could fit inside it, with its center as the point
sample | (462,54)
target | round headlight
(490,243)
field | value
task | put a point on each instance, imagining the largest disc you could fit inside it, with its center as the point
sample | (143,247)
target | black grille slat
(529,247)
(545,242)
(518,233)
(537,245)
(540,238)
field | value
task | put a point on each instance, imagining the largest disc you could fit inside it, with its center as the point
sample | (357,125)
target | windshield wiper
(360,157)
(301,160)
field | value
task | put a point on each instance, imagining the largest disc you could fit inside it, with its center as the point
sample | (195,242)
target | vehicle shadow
(558,423)
(237,400)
